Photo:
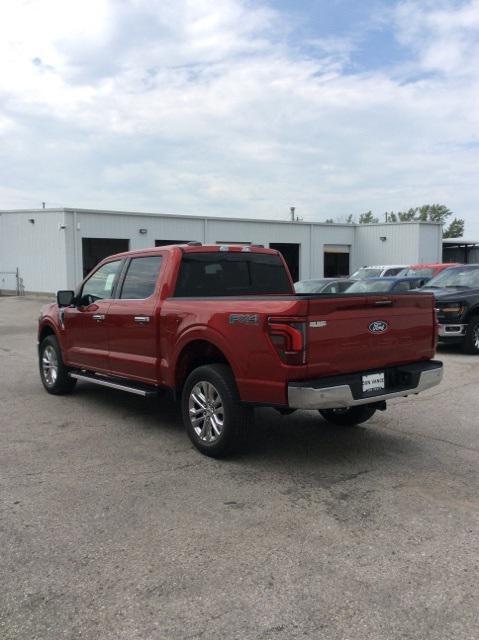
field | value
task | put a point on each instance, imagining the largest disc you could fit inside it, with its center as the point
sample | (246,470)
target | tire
(53,372)
(470,343)
(214,418)
(348,417)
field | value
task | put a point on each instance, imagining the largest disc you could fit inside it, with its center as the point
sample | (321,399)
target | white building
(54,248)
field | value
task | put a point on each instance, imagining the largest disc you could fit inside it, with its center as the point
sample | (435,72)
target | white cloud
(200,106)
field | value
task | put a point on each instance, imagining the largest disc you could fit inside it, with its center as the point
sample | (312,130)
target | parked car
(429,269)
(322,285)
(222,329)
(386,285)
(457,303)
(379,271)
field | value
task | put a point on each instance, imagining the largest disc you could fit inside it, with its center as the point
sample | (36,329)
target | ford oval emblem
(378,326)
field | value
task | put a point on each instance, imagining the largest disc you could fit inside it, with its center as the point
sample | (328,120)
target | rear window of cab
(231,274)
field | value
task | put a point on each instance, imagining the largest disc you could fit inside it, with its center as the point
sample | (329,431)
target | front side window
(141,277)
(100,285)
(231,274)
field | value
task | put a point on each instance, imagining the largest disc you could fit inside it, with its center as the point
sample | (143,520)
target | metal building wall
(404,243)
(37,249)
(311,237)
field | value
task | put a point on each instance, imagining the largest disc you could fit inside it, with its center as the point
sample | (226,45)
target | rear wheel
(214,418)
(53,372)
(348,417)
(471,339)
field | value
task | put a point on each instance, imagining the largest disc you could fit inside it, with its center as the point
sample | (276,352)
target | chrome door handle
(98,317)
(383,303)
(142,319)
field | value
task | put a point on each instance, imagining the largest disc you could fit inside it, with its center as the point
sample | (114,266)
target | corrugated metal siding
(51,259)
(406,243)
(37,249)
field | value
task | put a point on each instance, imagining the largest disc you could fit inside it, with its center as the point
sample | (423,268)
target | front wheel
(214,418)
(53,372)
(471,339)
(348,417)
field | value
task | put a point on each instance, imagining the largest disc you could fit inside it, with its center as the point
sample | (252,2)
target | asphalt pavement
(113,527)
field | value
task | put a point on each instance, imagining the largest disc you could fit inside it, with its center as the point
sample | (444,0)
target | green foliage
(329,221)
(425,213)
(367,218)
(455,229)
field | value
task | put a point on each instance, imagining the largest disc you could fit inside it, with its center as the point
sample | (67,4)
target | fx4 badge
(243,318)
(378,326)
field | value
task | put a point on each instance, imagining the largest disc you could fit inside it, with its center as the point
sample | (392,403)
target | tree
(329,221)
(455,229)
(350,219)
(367,218)
(430,213)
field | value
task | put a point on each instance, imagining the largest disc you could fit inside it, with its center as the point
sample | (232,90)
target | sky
(241,107)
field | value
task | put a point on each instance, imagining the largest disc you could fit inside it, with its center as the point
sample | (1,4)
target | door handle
(99,317)
(142,319)
(383,303)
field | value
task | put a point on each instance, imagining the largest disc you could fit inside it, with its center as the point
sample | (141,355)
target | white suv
(380,271)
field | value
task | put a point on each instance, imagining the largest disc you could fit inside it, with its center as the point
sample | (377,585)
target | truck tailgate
(358,333)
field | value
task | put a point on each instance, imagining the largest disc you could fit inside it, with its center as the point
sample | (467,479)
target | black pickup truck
(457,303)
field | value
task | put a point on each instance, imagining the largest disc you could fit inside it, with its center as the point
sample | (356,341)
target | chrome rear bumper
(303,396)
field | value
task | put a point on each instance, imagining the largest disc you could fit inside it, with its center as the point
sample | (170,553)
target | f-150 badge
(243,318)
(317,324)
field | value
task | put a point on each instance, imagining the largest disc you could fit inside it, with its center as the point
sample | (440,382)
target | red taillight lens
(289,338)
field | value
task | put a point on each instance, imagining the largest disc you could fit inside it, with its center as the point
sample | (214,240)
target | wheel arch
(46,330)
(195,353)
(472,313)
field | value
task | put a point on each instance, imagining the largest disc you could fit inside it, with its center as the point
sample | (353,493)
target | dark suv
(457,303)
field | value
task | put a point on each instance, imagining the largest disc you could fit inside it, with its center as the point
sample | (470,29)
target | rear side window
(141,277)
(231,274)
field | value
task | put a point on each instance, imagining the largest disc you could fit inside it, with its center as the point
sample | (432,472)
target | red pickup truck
(222,328)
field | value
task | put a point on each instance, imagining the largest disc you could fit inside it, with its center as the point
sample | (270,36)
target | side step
(121,384)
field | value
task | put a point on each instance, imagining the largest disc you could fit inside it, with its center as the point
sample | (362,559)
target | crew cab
(222,329)
(457,303)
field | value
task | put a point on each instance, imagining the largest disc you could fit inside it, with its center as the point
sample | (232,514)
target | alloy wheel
(206,411)
(50,365)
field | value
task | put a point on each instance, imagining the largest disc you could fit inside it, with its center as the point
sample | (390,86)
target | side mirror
(65,298)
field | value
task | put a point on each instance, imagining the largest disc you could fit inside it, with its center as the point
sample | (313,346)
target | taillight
(288,336)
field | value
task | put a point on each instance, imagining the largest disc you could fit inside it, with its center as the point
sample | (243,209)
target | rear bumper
(346,390)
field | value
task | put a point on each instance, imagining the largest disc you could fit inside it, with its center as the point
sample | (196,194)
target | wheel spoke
(205,409)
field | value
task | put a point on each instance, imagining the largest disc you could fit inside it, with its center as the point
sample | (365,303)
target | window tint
(393,272)
(231,274)
(141,277)
(100,284)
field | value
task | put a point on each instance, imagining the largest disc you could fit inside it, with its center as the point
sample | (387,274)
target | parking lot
(113,527)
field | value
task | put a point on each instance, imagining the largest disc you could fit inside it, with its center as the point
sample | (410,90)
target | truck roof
(199,248)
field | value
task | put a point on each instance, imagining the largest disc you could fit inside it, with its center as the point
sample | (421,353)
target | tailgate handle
(142,319)
(383,303)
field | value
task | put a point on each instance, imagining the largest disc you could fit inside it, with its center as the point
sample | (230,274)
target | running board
(138,389)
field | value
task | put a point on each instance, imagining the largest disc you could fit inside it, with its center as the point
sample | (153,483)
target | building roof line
(213,218)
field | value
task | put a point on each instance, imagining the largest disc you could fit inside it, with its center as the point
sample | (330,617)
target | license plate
(373,382)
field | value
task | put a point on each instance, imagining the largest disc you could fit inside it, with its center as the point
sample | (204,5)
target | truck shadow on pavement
(300,439)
